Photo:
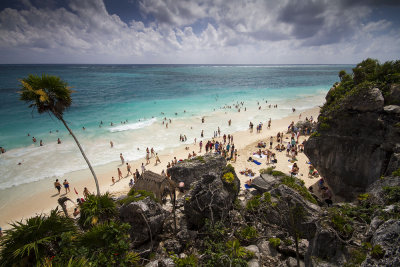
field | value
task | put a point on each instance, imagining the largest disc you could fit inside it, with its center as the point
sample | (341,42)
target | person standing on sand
(122,158)
(57,185)
(201,145)
(119,174)
(128,168)
(58,141)
(111,144)
(86,192)
(143,168)
(137,175)
(113,180)
(157,159)
(66,186)
(147,158)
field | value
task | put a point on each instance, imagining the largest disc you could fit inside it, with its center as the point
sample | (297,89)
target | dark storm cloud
(307,17)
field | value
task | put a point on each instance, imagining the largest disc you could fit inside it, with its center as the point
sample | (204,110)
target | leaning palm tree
(49,94)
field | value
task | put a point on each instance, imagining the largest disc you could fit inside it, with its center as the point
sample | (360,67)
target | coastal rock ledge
(357,139)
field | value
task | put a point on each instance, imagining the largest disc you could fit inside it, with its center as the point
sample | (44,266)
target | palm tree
(49,94)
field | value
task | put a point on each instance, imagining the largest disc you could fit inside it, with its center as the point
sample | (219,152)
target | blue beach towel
(247,186)
(256,162)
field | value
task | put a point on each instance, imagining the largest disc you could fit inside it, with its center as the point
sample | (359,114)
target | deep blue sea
(136,98)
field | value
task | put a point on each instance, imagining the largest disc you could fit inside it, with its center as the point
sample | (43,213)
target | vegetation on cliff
(367,74)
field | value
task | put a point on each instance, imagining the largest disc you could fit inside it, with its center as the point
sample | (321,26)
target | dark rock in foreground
(211,198)
(142,215)
(192,170)
(358,140)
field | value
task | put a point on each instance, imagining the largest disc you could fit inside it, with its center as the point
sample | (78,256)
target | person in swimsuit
(119,174)
(66,186)
(57,185)
(86,192)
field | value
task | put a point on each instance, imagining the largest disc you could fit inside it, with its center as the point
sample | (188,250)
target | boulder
(289,198)
(211,198)
(388,237)
(368,100)
(376,192)
(392,109)
(142,215)
(172,245)
(265,182)
(192,170)
(355,143)
(326,248)
(394,94)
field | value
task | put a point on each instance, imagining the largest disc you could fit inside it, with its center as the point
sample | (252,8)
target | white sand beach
(27,200)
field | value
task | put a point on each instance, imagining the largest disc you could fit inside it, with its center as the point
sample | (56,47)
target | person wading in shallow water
(57,185)
(66,186)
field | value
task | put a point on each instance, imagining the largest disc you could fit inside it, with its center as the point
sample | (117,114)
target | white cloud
(253,31)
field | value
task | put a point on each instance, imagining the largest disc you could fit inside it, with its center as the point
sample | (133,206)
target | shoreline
(19,202)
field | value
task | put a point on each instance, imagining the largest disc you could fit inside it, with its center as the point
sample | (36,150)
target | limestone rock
(356,142)
(211,198)
(192,171)
(255,250)
(264,182)
(142,215)
(394,94)
(388,237)
(325,246)
(172,245)
(392,109)
(280,215)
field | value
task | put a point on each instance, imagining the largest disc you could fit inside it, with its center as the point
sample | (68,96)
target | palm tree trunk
(84,156)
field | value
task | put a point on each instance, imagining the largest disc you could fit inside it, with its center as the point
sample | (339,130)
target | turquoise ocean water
(141,96)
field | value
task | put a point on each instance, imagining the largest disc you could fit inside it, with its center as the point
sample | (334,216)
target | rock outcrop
(211,198)
(357,140)
(146,218)
(192,170)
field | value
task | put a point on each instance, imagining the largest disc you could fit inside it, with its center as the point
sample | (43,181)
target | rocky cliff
(358,134)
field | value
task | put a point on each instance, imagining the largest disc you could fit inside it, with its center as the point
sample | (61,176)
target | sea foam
(132,126)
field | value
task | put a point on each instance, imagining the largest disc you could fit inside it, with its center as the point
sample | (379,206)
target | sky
(198,32)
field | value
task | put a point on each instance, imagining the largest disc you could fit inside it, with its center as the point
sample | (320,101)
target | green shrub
(363,197)
(229,168)
(357,256)
(220,253)
(392,194)
(228,177)
(315,134)
(377,252)
(277,174)
(136,195)
(253,203)
(268,170)
(324,126)
(189,261)
(31,242)
(247,233)
(288,242)
(97,209)
(200,158)
(340,221)
(298,185)
(396,172)
(108,244)
(275,242)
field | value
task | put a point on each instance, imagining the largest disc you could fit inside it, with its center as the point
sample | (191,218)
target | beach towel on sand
(258,156)
(256,162)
